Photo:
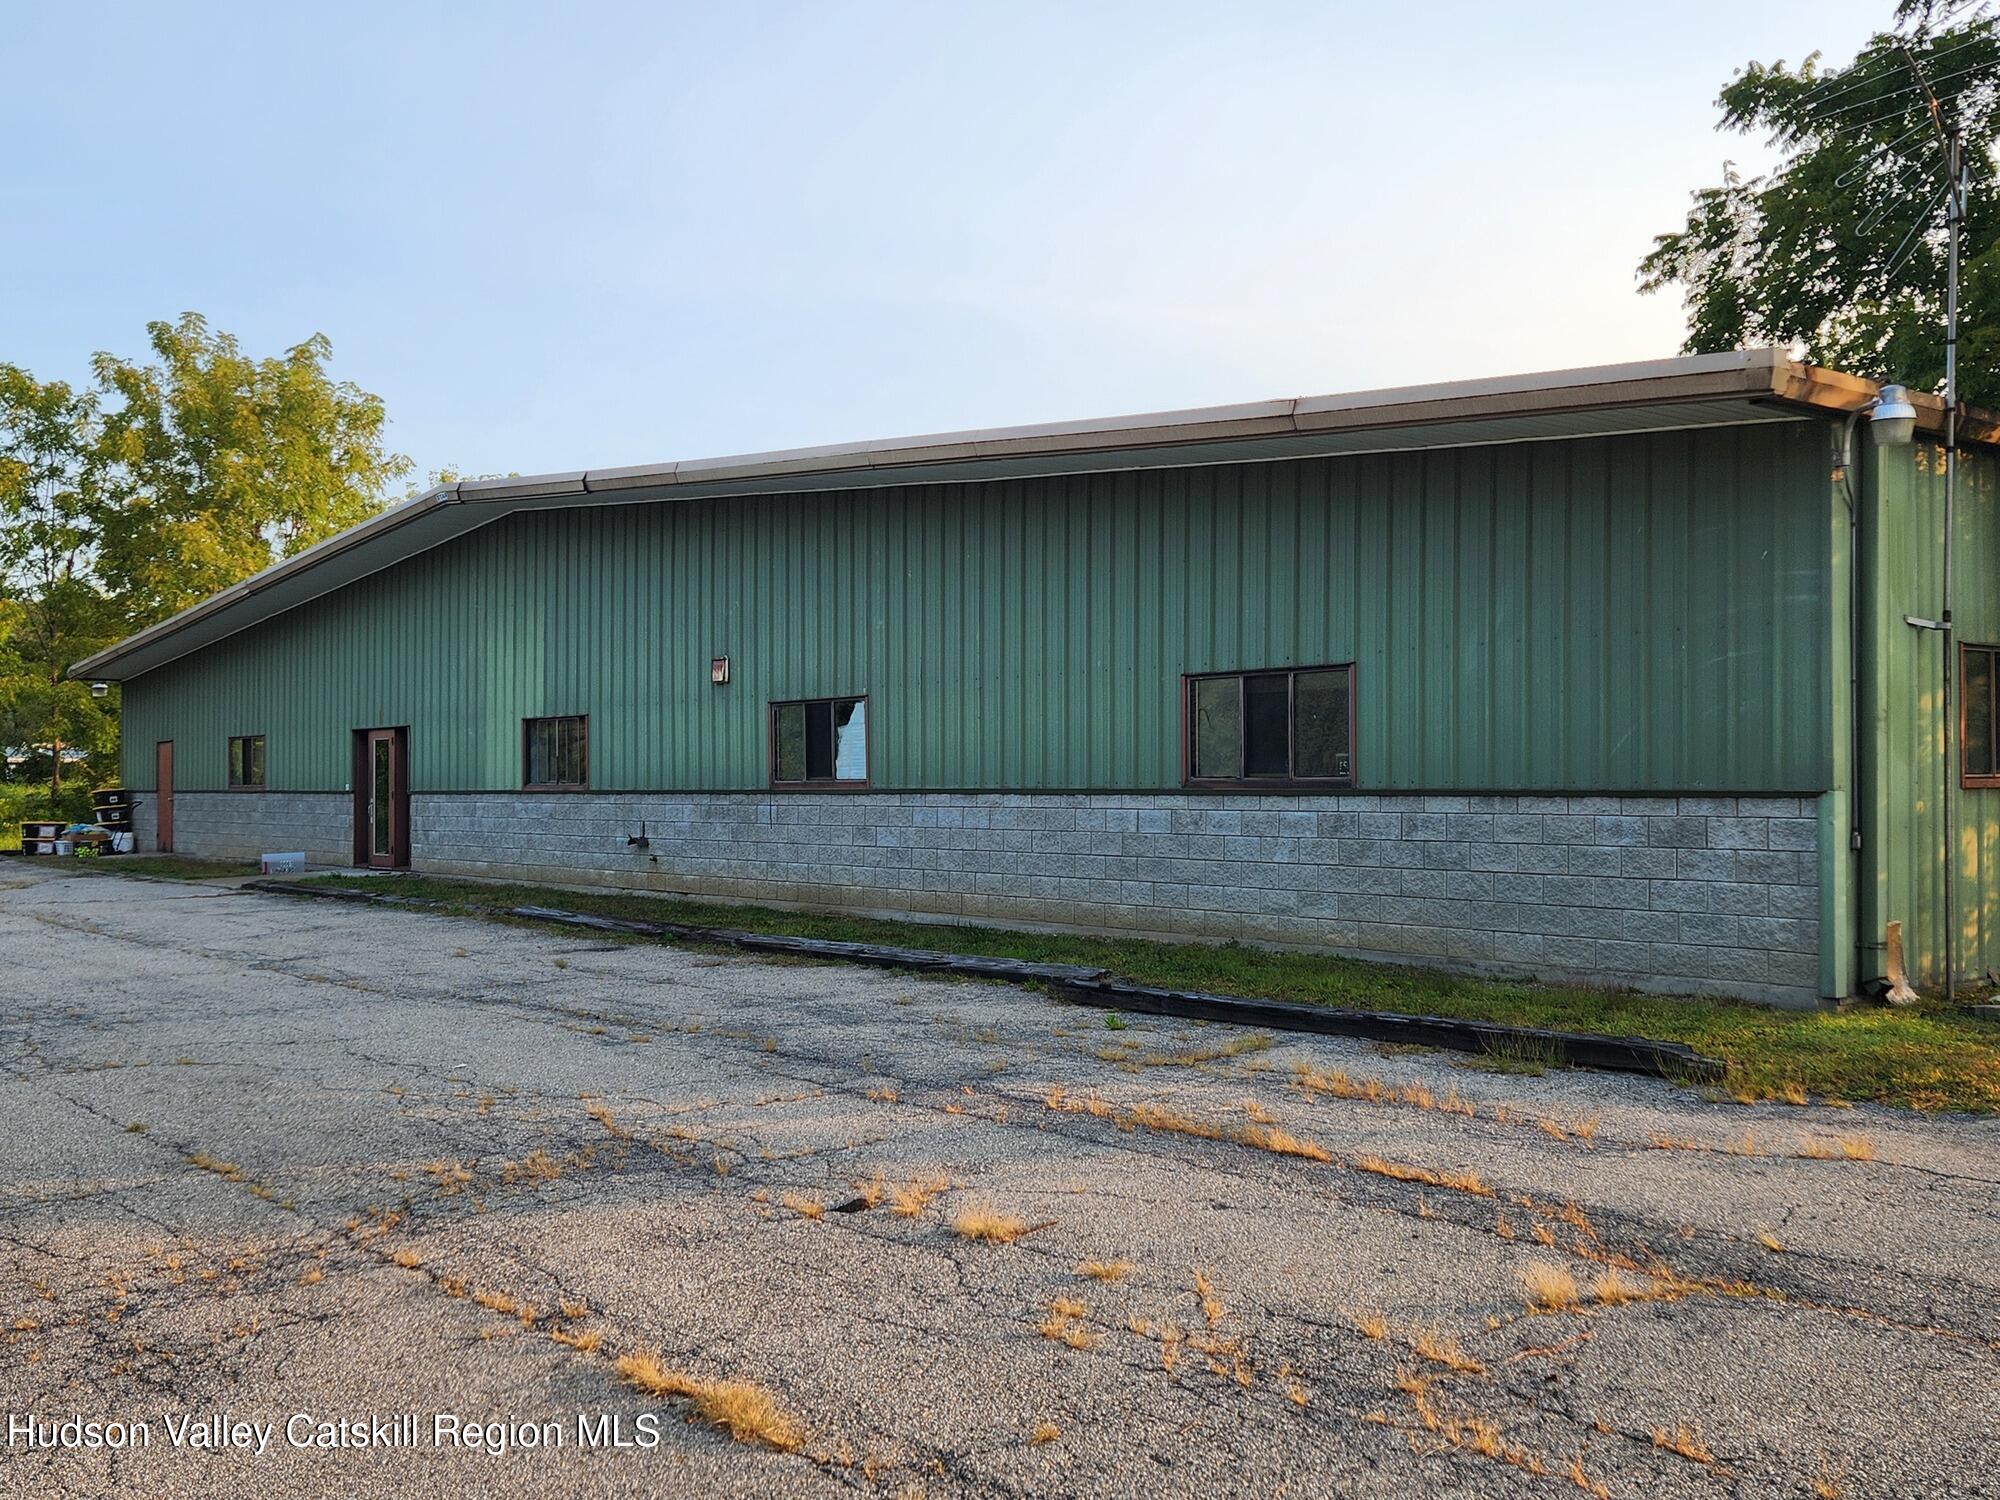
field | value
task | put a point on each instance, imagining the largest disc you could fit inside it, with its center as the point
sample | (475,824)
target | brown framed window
(1288,727)
(246,760)
(556,752)
(1979,715)
(820,742)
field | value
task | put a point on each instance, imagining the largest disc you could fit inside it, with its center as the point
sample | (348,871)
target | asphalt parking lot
(275,1160)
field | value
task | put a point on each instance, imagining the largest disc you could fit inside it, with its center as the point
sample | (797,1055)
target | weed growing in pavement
(1550,1288)
(1458,1182)
(741,1408)
(1211,1304)
(981,1222)
(1684,1440)
(912,1198)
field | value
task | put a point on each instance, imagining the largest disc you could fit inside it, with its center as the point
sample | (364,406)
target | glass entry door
(382,800)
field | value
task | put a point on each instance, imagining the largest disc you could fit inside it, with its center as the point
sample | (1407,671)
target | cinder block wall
(243,825)
(1715,895)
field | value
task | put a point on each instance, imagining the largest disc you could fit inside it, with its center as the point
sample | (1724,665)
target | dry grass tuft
(870,1192)
(1283,1143)
(806,1208)
(1612,1289)
(1857,1148)
(1441,1348)
(1550,1288)
(536,1166)
(1576,1475)
(912,1198)
(1684,1440)
(1258,1113)
(313,1276)
(409,1260)
(1211,1304)
(1457,1182)
(980,1221)
(1370,1324)
(744,1410)
(1043,1432)
(1060,1324)
(1172,1122)
(1770,1242)
(1105,1270)
(582,1340)
(882,1095)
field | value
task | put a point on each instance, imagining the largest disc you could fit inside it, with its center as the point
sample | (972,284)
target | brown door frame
(163,796)
(398,740)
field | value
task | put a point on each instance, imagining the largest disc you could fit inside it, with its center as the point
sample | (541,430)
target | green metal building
(1590,675)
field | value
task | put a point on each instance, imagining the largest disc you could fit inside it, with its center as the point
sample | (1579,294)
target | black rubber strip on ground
(1088,986)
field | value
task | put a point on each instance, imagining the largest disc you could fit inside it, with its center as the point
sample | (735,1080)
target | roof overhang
(1709,390)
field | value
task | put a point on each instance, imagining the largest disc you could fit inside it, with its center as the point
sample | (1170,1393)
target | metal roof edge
(1761,374)
(356,535)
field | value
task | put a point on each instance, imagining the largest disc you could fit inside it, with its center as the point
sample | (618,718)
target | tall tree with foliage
(1840,249)
(161,484)
(216,464)
(51,610)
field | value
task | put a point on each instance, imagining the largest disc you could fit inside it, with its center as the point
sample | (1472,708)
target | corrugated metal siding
(1902,725)
(1619,613)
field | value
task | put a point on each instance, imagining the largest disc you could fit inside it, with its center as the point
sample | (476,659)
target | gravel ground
(268,1157)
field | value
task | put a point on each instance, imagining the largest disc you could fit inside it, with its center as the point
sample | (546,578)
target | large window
(1979,724)
(557,752)
(246,760)
(1279,728)
(820,740)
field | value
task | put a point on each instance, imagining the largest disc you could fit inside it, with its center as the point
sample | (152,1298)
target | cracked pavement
(268,1156)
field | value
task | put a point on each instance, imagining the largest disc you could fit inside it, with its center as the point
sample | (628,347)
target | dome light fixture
(1892,421)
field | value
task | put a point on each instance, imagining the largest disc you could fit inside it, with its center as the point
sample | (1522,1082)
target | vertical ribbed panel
(1902,723)
(1615,613)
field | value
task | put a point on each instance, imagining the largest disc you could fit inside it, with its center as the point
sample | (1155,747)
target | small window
(1272,728)
(246,760)
(558,752)
(822,740)
(1979,724)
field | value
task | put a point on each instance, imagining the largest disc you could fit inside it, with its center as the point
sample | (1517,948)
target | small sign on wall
(718,670)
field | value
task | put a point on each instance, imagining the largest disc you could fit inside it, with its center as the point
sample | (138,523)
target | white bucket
(65,846)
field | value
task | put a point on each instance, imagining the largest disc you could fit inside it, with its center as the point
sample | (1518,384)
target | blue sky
(565,236)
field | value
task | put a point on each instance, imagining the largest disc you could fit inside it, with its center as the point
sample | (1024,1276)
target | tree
(157,487)
(51,611)
(1841,248)
(216,464)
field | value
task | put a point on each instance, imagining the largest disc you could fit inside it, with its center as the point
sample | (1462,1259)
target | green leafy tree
(216,464)
(1840,249)
(51,610)
(161,484)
